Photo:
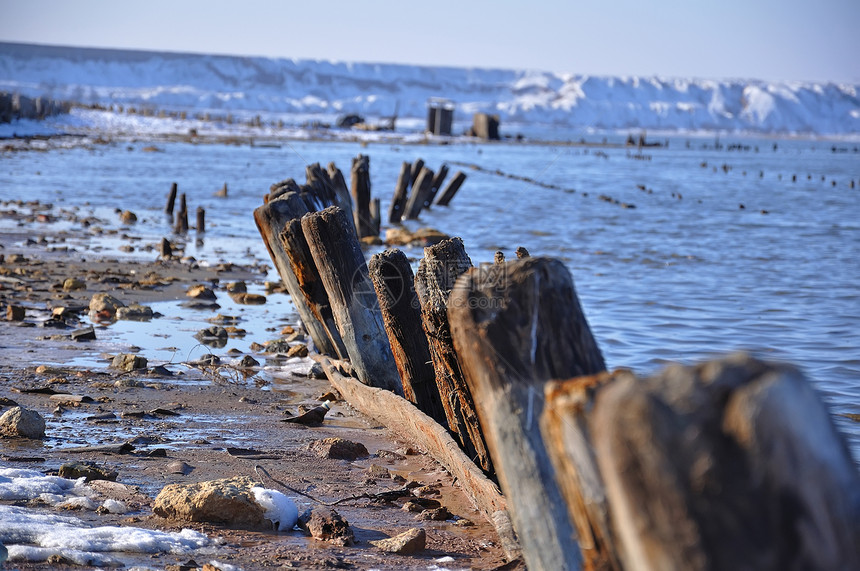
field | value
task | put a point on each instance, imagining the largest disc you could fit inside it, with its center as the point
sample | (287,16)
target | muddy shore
(189,423)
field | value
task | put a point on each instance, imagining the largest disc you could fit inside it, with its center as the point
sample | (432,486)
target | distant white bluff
(311,87)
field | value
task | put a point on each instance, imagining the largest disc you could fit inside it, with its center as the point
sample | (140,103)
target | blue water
(675,279)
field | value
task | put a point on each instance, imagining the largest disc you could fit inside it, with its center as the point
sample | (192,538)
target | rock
(418,505)
(437,514)
(277,346)
(105,302)
(377,472)
(200,292)
(299,350)
(85,334)
(73,284)
(134,312)
(88,470)
(401,236)
(326,524)
(338,448)
(127,217)
(229,501)
(179,467)
(15,313)
(407,543)
(313,417)
(128,362)
(237,287)
(249,298)
(20,421)
(214,335)
(248,361)
(317,372)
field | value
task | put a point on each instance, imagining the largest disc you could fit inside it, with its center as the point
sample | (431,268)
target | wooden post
(375,216)
(415,171)
(394,283)
(516,326)
(733,463)
(420,190)
(165,250)
(436,185)
(443,263)
(304,268)
(320,185)
(171,200)
(271,219)
(401,190)
(182,216)
(344,200)
(340,262)
(201,220)
(361,195)
(452,188)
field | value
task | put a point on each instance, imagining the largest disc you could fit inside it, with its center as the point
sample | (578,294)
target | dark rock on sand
(326,524)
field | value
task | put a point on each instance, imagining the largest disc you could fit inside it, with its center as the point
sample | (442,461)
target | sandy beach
(190,424)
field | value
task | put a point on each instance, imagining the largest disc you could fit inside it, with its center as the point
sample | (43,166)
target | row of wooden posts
(734,463)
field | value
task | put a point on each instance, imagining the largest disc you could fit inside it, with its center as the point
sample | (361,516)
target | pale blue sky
(763,39)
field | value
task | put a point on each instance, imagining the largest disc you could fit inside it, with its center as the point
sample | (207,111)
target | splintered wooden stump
(452,188)
(310,283)
(340,262)
(401,190)
(730,464)
(394,283)
(516,326)
(361,195)
(271,219)
(437,272)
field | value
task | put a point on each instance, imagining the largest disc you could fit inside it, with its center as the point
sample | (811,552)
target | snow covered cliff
(253,84)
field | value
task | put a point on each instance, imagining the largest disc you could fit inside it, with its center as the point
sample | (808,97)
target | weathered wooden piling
(271,218)
(515,327)
(165,250)
(438,179)
(307,276)
(401,190)
(453,186)
(201,220)
(732,463)
(343,272)
(394,283)
(171,200)
(417,165)
(437,272)
(420,192)
(361,195)
(181,226)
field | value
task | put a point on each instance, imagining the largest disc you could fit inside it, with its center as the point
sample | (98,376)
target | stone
(15,313)
(88,470)
(437,514)
(377,472)
(338,449)
(104,302)
(237,287)
(127,217)
(84,334)
(20,421)
(200,292)
(300,350)
(326,524)
(407,543)
(128,362)
(134,312)
(402,236)
(228,501)
(418,505)
(249,298)
(74,284)
(248,361)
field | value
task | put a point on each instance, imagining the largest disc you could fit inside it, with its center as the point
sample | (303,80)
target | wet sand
(215,410)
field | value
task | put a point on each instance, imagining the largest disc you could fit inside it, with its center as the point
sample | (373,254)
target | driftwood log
(437,272)
(394,283)
(731,464)
(403,418)
(453,186)
(516,326)
(401,190)
(343,272)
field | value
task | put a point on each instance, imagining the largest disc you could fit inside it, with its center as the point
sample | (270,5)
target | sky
(812,40)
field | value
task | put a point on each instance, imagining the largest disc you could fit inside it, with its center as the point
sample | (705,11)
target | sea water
(755,249)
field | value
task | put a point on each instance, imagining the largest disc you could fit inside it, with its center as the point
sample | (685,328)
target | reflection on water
(722,252)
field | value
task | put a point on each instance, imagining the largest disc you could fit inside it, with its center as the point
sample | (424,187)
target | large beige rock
(407,543)
(20,421)
(229,501)
(105,302)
